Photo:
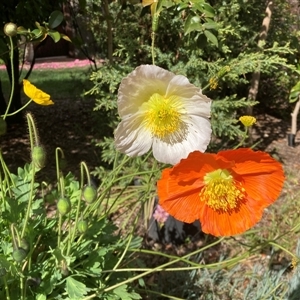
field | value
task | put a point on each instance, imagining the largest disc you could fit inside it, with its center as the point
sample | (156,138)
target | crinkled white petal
(181,87)
(131,138)
(194,101)
(198,105)
(140,85)
(196,137)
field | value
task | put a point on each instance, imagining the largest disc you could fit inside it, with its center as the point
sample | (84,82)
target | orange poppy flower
(227,191)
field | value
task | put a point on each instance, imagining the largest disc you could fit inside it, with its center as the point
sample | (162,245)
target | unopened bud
(89,194)
(38,156)
(82,226)
(10,29)
(63,206)
(19,254)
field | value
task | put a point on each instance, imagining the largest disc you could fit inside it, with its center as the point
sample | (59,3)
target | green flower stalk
(38,153)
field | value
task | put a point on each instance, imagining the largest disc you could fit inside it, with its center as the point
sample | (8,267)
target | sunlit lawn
(59,83)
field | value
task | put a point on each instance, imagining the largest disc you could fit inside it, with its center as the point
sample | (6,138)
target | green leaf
(75,289)
(296,88)
(295,93)
(55,35)
(40,297)
(211,37)
(39,35)
(208,10)
(122,292)
(210,24)
(192,24)
(55,19)
(65,37)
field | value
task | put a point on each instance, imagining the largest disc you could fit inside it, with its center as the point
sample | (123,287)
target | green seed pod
(24,245)
(38,156)
(89,194)
(10,29)
(63,206)
(82,226)
(19,254)
(3,126)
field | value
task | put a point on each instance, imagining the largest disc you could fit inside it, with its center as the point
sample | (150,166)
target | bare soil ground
(69,124)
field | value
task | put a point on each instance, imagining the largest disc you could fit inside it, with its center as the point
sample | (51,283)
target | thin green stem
(62,195)
(15,112)
(6,288)
(241,143)
(58,149)
(30,130)
(283,249)
(12,76)
(29,202)
(153,47)
(22,287)
(13,237)
(159,268)
(33,132)
(83,167)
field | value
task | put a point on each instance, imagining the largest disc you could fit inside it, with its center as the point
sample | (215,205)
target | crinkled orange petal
(260,175)
(179,187)
(224,224)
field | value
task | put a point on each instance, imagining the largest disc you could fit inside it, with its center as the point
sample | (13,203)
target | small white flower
(164,111)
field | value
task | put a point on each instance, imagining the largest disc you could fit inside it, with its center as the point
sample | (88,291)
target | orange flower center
(221,192)
(163,116)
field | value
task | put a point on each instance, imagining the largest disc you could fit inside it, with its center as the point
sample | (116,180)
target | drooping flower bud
(82,226)
(39,156)
(19,254)
(63,206)
(10,29)
(89,194)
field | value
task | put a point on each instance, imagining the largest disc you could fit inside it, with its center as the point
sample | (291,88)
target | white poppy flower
(164,111)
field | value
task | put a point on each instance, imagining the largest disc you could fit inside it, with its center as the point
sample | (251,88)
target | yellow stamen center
(162,116)
(221,192)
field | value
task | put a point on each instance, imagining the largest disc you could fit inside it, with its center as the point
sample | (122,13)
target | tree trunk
(262,37)
(109,31)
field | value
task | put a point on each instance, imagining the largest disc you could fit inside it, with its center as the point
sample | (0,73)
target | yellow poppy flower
(37,95)
(247,121)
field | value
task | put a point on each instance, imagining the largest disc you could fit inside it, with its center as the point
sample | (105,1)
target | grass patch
(59,83)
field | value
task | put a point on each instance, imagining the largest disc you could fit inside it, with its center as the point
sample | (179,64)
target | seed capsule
(38,156)
(19,254)
(89,194)
(63,206)
(82,226)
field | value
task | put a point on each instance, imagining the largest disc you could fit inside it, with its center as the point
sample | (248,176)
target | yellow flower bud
(10,29)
